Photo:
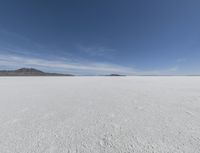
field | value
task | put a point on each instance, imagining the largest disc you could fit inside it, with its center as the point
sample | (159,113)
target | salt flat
(100,114)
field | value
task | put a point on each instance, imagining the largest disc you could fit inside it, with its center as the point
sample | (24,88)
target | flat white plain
(100,114)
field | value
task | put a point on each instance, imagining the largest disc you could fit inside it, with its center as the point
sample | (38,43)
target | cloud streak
(96,51)
(64,66)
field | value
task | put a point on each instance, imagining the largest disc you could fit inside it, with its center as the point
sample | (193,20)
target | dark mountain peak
(28,70)
(116,75)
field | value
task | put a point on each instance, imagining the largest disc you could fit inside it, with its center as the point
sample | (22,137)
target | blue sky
(101,36)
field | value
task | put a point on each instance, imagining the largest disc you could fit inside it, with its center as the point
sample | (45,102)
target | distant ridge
(29,72)
(115,75)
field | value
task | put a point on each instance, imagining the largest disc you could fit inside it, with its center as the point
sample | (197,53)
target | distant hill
(29,72)
(115,75)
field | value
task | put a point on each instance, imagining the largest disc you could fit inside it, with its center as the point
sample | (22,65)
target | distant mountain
(115,75)
(29,72)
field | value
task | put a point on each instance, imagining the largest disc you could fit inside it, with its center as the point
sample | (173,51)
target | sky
(97,37)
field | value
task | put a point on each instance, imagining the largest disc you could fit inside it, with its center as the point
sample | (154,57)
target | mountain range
(29,72)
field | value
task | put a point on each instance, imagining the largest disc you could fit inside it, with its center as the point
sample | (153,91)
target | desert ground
(148,114)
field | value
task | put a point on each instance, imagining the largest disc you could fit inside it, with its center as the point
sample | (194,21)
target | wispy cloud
(178,64)
(173,69)
(81,68)
(96,50)
(64,66)
(180,60)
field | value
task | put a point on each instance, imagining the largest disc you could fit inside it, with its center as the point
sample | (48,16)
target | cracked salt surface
(99,114)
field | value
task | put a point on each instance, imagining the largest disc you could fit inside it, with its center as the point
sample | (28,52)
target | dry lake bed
(100,114)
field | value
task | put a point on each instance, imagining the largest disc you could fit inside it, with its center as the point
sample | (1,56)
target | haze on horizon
(101,37)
